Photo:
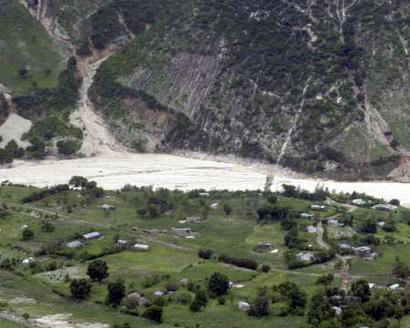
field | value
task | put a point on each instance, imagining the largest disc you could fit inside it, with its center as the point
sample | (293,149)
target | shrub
(243,263)
(260,307)
(205,254)
(218,284)
(27,234)
(153,313)
(183,297)
(80,288)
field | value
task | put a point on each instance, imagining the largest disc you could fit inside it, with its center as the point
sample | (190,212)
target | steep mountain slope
(320,86)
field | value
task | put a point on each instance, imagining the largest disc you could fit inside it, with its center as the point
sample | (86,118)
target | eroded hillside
(319,86)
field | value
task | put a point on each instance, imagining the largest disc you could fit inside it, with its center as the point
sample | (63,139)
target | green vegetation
(28,58)
(203,278)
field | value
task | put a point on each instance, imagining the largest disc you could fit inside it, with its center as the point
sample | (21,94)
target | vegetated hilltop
(321,87)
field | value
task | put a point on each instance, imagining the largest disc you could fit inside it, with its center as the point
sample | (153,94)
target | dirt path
(345,268)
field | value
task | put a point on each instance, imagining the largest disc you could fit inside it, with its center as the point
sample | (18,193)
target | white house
(28,261)
(307,216)
(140,247)
(394,286)
(214,206)
(359,202)
(311,229)
(306,256)
(318,207)
(92,235)
(106,207)
(384,207)
(74,244)
(333,223)
(244,306)
(193,219)
(182,231)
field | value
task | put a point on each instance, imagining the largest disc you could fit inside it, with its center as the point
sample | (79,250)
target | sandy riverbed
(174,172)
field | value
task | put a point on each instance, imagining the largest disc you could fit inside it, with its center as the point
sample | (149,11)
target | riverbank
(176,172)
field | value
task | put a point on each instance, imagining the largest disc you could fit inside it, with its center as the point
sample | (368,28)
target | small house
(184,281)
(359,202)
(122,242)
(214,206)
(182,231)
(74,244)
(305,256)
(140,247)
(307,216)
(333,223)
(159,293)
(363,251)
(106,207)
(394,286)
(244,306)
(204,194)
(264,247)
(92,235)
(193,219)
(381,224)
(318,207)
(338,310)
(311,229)
(345,246)
(28,261)
(371,285)
(384,207)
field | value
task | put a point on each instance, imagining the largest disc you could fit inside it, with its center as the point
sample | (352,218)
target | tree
(288,224)
(6,157)
(47,227)
(153,313)
(80,288)
(98,270)
(78,182)
(116,292)
(200,301)
(218,284)
(325,280)
(272,198)
(12,148)
(395,202)
(361,289)
(260,307)
(23,72)
(292,239)
(205,253)
(27,234)
(68,147)
(320,309)
(401,270)
(368,226)
(296,297)
(227,209)
(153,211)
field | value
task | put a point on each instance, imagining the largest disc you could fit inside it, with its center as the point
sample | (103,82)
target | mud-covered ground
(175,172)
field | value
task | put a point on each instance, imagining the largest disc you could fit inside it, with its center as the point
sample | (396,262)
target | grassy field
(24,44)
(170,259)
